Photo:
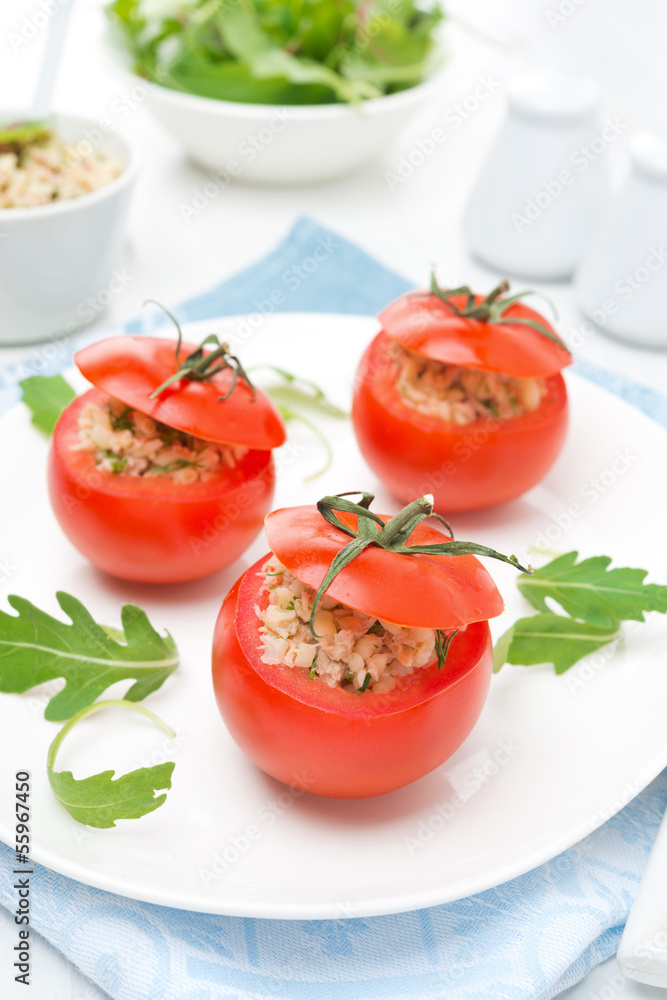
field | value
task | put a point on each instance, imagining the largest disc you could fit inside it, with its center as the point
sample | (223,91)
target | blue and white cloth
(528,939)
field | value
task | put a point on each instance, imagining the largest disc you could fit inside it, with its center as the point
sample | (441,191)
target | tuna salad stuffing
(42,168)
(354,651)
(124,440)
(463,395)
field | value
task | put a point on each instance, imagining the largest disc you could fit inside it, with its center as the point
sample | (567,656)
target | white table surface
(410,228)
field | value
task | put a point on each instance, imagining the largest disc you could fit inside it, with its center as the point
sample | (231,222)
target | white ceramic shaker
(543,189)
(622,281)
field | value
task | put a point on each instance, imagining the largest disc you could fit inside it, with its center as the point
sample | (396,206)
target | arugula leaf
(550,638)
(46,398)
(288,414)
(501,649)
(34,648)
(590,591)
(300,393)
(596,598)
(100,800)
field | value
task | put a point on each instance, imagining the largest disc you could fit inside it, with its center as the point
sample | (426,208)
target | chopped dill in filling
(354,651)
(463,395)
(123,440)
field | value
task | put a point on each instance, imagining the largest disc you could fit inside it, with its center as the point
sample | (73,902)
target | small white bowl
(271,144)
(57,260)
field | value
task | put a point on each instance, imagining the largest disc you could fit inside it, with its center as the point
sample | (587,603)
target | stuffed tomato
(461,396)
(163,472)
(356,656)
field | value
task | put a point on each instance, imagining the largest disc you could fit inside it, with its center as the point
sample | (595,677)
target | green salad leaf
(20,136)
(46,398)
(34,648)
(24,132)
(595,600)
(102,798)
(246,40)
(550,638)
(284,53)
(589,590)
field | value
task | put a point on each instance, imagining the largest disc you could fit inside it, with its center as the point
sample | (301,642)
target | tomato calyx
(392,536)
(201,367)
(491,309)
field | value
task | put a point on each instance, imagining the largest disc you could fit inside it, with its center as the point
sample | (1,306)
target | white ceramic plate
(550,759)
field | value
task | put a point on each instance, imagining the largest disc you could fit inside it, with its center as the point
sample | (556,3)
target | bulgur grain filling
(463,395)
(123,440)
(353,650)
(46,169)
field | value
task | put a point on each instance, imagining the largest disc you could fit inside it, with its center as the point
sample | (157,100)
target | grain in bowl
(38,167)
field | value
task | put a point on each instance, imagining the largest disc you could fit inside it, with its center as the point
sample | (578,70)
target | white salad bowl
(57,260)
(273,144)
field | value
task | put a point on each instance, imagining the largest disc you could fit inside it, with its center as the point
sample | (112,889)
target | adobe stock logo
(591,491)
(553,188)
(566,8)
(32,26)
(467,779)
(453,118)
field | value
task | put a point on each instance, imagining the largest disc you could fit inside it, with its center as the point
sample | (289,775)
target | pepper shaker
(622,281)
(543,188)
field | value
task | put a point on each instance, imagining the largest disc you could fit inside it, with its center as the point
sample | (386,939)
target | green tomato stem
(391,536)
(492,308)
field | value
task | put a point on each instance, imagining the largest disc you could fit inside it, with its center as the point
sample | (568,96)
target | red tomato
(475,465)
(131,368)
(337,743)
(426,324)
(347,744)
(152,529)
(459,589)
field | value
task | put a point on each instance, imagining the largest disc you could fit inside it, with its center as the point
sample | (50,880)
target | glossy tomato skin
(424,591)
(429,326)
(337,743)
(153,530)
(131,368)
(468,467)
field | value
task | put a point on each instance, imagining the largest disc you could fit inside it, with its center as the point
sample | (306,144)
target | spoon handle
(41,105)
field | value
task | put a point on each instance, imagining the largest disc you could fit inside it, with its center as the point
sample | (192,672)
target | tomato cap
(130,368)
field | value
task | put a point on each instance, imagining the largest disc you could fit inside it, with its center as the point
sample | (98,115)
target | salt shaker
(543,189)
(622,281)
